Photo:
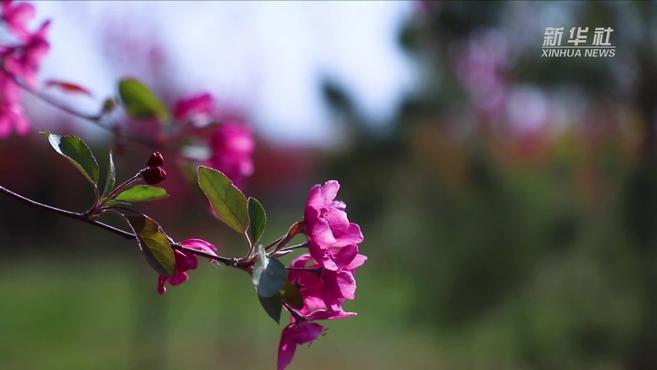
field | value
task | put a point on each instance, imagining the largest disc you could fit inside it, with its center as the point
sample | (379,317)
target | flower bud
(156,160)
(154,175)
(108,106)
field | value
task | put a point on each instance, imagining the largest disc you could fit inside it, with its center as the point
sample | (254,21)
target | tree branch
(233,262)
(96,119)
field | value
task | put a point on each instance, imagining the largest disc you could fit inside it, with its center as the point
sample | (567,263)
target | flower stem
(294,313)
(131,181)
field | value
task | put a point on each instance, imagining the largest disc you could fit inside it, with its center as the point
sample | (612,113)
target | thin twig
(304,269)
(96,119)
(287,250)
(115,230)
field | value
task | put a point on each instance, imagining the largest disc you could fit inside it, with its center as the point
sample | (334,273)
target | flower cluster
(231,143)
(20,60)
(325,276)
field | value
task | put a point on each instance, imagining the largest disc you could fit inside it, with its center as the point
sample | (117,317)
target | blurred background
(509,201)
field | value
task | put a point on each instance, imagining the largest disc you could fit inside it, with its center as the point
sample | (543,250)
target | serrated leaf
(291,295)
(140,101)
(110,179)
(227,201)
(154,244)
(141,193)
(77,152)
(257,220)
(272,305)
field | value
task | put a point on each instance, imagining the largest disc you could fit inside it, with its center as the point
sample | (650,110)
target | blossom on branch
(19,61)
(294,334)
(16,17)
(185,261)
(12,115)
(327,225)
(327,289)
(232,145)
(194,107)
(325,277)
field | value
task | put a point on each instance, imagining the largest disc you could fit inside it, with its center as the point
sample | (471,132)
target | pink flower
(324,289)
(24,60)
(314,284)
(294,334)
(188,108)
(325,276)
(16,17)
(12,115)
(327,225)
(232,146)
(482,67)
(185,261)
(19,61)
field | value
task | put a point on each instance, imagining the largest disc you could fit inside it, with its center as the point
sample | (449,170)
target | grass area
(66,315)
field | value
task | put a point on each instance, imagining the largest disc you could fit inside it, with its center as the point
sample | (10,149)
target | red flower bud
(154,175)
(155,160)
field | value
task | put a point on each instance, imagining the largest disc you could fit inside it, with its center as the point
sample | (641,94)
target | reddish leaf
(69,87)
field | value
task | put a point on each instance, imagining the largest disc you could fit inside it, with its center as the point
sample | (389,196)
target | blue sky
(268,56)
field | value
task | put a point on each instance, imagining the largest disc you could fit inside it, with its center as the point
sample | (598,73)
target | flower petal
(286,348)
(330,191)
(200,245)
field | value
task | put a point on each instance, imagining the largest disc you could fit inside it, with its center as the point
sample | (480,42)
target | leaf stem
(129,182)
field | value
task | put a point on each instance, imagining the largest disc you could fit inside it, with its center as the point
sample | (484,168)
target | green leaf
(257,220)
(141,193)
(259,265)
(227,201)
(272,306)
(110,179)
(154,244)
(291,295)
(269,276)
(140,102)
(272,278)
(111,202)
(77,152)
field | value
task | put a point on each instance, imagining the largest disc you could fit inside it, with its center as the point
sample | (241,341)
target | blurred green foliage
(528,246)
(492,245)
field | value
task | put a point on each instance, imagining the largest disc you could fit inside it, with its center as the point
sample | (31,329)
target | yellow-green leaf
(140,101)
(141,193)
(154,244)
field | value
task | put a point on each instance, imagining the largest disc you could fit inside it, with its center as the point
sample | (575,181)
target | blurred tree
(503,197)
